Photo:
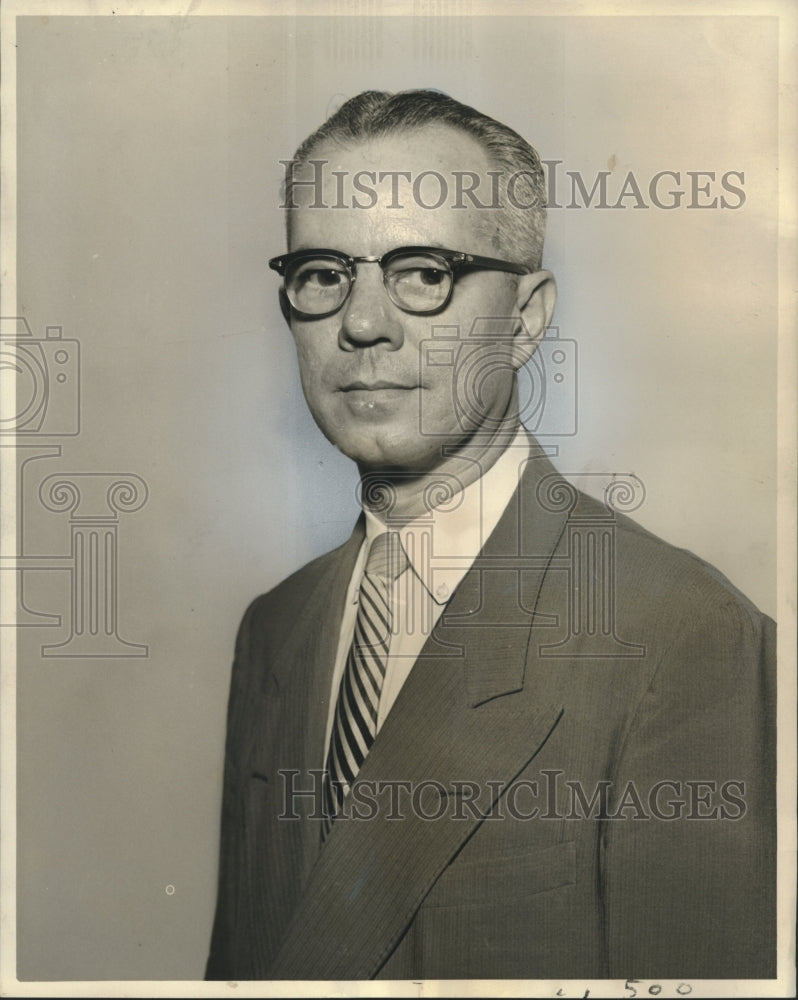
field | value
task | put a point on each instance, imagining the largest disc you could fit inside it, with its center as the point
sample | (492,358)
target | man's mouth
(377,398)
(376,385)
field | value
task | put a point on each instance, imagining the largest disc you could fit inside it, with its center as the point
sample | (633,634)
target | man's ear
(537,295)
(285,306)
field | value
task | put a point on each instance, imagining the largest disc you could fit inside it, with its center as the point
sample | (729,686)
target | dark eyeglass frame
(456,261)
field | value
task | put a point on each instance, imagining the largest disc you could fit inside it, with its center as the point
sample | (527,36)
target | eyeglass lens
(415,282)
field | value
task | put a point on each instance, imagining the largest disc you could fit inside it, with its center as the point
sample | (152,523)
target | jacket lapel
(374,873)
(303,666)
(286,732)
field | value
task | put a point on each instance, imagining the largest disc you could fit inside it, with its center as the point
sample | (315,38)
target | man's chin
(407,456)
(398,463)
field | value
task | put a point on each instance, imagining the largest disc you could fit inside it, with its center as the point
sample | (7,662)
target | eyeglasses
(417,279)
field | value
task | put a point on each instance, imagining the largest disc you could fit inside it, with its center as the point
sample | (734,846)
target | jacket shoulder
(664,575)
(275,612)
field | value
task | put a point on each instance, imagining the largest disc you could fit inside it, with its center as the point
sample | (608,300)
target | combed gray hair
(375,113)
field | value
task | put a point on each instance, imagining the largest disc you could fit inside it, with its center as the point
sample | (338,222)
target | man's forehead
(425,186)
(428,147)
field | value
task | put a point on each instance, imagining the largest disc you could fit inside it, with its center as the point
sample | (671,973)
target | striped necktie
(355,725)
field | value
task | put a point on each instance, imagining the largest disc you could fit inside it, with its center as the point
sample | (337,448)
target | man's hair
(375,113)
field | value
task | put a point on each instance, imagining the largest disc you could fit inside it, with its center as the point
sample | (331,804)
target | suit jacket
(579,654)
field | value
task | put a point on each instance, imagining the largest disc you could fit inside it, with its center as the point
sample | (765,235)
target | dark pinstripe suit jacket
(518,699)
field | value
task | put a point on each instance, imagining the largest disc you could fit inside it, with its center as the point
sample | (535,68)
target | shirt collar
(442,545)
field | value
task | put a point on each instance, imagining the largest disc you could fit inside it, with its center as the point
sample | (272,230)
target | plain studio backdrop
(149,174)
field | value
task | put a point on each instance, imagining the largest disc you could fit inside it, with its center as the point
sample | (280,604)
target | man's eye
(322,277)
(431,276)
(428,276)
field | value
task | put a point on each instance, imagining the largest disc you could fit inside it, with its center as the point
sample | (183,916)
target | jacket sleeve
(689,887)
(221,961)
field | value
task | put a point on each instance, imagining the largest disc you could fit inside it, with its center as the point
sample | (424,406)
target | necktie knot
(387,558)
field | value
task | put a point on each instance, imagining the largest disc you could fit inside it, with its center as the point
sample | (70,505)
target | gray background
(148,154)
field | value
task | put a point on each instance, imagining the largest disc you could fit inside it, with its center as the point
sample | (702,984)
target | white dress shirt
(441,547)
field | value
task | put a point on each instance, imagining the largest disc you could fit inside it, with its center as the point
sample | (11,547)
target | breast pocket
(482,881)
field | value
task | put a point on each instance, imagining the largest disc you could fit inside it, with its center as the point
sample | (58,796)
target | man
(502,731)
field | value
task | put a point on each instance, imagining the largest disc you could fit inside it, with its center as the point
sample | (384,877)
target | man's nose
(368,316)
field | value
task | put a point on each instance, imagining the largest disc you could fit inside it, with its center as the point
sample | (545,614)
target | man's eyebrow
(306,247)
(432,244)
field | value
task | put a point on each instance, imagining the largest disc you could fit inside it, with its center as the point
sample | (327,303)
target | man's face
(364,368)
